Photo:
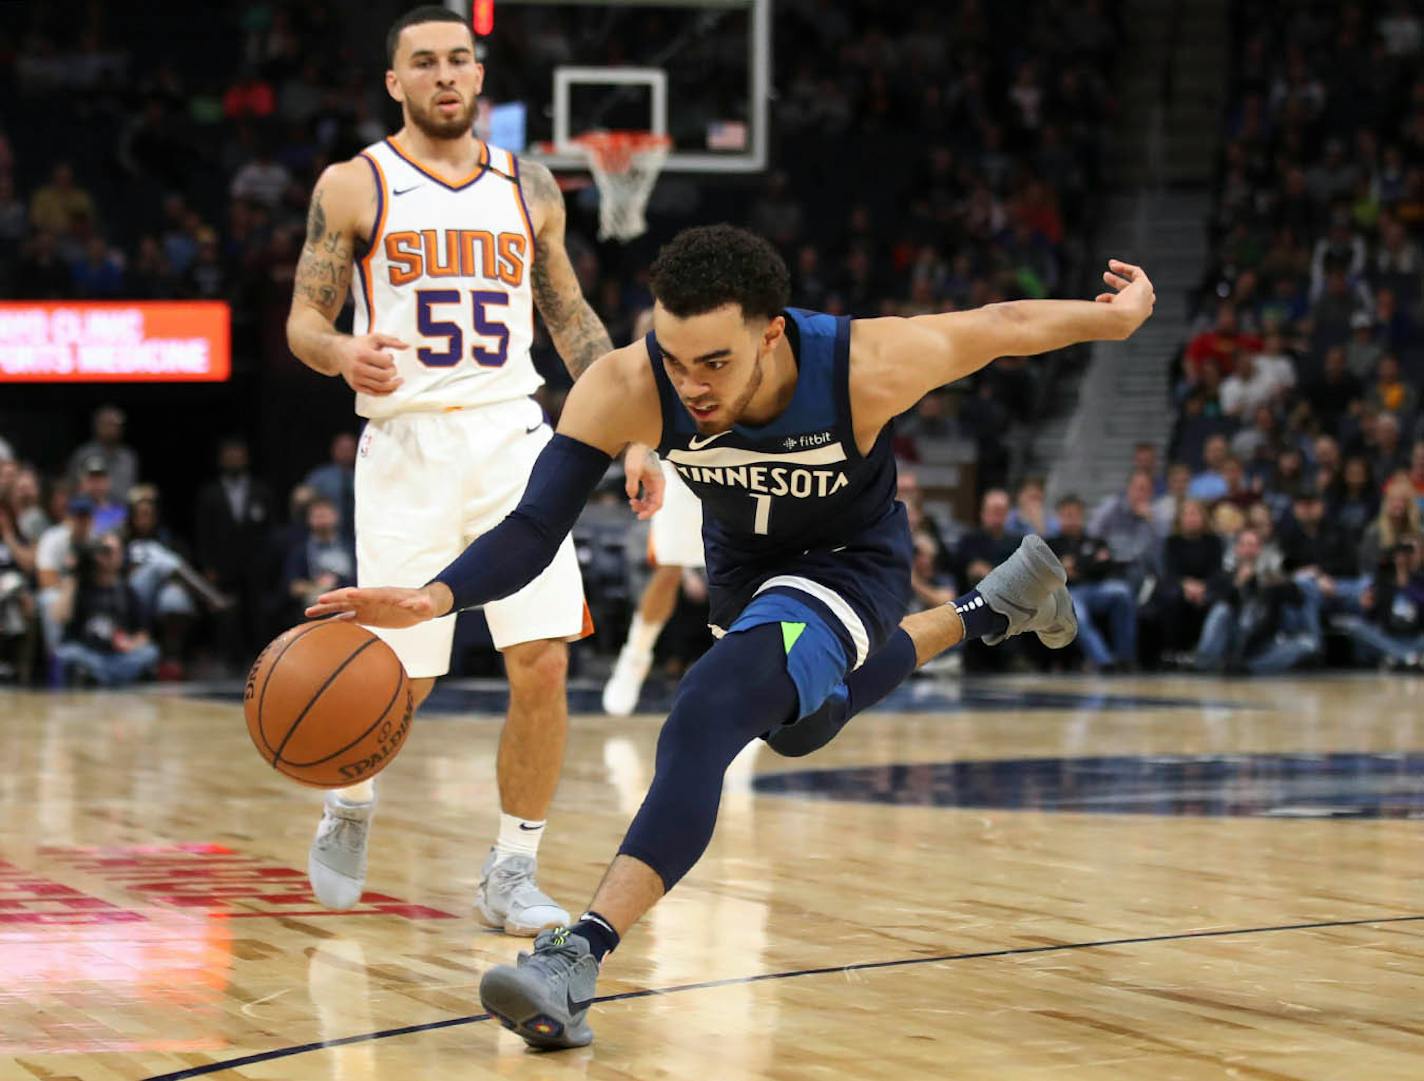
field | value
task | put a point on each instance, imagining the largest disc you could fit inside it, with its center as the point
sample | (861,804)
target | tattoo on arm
(540,187)
(316,220)
(324,269)
(578,333)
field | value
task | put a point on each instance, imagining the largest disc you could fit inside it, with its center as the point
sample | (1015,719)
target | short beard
(435,127)
(753,385)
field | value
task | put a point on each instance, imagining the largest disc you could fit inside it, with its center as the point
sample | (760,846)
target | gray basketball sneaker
(510,899)
(1028,589)
(336,861)
(545,996)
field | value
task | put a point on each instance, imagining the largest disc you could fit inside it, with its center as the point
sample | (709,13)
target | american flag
(726,135)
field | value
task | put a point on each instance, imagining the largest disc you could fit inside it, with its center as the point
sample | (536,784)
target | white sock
(643,636)
(517,837)
(361,792)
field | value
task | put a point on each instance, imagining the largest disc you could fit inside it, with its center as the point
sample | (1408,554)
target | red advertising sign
(160,341)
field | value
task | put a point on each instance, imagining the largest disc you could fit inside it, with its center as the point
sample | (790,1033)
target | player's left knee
(537,668)
(740,686)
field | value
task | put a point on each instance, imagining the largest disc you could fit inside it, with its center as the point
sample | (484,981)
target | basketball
(328,704)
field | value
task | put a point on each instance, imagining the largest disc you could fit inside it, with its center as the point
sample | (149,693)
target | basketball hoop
(625,166)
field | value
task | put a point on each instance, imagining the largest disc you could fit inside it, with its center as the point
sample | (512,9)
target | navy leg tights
(737,691)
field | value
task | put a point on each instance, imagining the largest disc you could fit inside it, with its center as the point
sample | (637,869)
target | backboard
(695,70)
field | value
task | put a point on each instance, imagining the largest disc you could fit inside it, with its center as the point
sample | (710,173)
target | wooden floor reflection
(1234,921)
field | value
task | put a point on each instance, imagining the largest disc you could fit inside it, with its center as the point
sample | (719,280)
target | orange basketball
(328,704)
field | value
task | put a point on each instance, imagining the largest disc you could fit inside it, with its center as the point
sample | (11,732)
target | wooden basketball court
(1028,879)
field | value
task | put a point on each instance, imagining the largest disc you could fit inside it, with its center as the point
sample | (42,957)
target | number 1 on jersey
(454,335)
(761,524)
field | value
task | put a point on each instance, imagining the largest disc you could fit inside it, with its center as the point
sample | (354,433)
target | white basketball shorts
(427,484)
(675,538)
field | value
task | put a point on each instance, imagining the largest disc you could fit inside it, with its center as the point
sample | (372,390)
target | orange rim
(614,151)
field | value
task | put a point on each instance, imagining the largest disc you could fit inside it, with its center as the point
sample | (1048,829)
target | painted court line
(863,966)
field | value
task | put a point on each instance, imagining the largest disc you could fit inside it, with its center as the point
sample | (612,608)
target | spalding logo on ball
(328,704)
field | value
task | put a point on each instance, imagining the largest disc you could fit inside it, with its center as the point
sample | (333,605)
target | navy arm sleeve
(513,553)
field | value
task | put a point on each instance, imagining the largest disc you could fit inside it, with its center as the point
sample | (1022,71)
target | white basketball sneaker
(336,861)
(620,693)
(510,898)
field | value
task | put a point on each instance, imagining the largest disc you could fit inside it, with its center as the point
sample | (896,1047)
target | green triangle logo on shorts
(789,633)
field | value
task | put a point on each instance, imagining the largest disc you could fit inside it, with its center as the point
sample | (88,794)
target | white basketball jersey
(447,272)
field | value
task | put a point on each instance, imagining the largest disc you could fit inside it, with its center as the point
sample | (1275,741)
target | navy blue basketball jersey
(796,487)
(796,482)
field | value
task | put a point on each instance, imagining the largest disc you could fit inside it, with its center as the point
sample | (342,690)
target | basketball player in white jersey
(453,243)
(674,548)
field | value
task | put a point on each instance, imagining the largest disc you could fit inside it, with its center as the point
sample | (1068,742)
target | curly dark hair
(703,268)
(426,13)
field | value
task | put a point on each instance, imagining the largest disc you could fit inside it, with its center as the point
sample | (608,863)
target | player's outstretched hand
(384,607)
(367,365)
(644,481)
(1133,295)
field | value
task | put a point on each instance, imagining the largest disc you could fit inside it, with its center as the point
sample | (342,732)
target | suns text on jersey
(457,253)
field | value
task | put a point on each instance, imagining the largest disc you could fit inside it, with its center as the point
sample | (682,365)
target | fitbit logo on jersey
(815,439)
(768,479)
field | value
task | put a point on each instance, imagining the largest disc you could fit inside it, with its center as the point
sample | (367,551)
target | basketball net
(625,166)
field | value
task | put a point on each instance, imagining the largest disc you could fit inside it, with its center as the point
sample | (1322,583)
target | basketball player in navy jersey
(778,420)
(453,243)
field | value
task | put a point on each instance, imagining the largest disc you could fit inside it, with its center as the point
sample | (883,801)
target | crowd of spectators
(1298,426)
(96,588)
(1237,580)
(1285,528)
(979,141)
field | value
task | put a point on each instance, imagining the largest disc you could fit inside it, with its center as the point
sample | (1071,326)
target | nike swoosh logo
(574,1004)
(531,431)
(531,829)
(697,444)
(402,191)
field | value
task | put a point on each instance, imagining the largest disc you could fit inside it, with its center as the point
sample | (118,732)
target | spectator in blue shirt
(94,485)
(336,480)
(321,561)
(1100,594)
(1210,484)
(99,272)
